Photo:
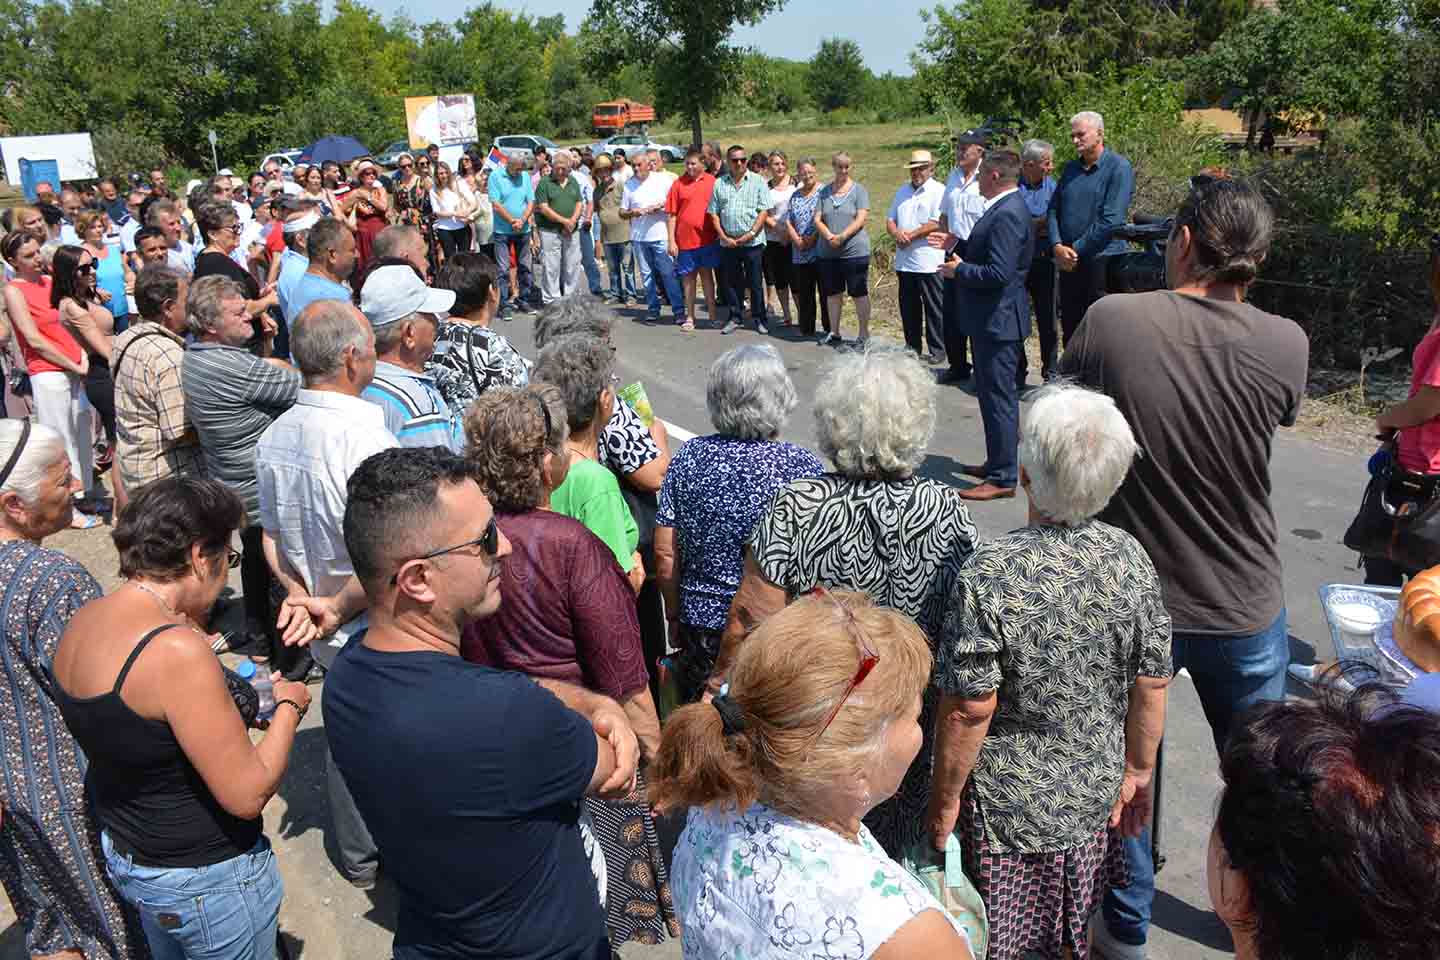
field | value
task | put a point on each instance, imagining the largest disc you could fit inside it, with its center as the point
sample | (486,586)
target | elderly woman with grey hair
(714,493)
(638,452)
(50,860)
(1053,662)
(871,526)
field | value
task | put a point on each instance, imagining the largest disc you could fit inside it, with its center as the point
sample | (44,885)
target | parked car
(631,142)
(523,145)
(286,159)
(390,156)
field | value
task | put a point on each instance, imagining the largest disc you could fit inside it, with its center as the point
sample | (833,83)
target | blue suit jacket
(993,302)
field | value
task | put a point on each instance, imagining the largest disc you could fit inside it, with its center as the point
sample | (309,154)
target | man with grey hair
(303,462)
(1090,201)
(164,215)
(231,397)
(405,315)
(559,208)
(1037,160)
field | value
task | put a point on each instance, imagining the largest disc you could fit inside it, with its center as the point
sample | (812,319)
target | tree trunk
(696,139)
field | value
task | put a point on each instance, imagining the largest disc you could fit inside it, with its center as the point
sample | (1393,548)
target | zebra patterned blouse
(903,543)
(1058,621)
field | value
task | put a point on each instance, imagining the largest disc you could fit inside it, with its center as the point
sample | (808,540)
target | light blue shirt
(292,268)
(514,197)
(415,412)
(738,205)
(308,288)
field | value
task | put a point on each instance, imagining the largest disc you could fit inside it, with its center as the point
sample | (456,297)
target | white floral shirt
(760,884)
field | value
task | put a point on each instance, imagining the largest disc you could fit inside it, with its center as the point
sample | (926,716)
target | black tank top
(147,795)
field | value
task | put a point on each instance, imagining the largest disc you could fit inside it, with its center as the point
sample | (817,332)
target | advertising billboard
(443,120)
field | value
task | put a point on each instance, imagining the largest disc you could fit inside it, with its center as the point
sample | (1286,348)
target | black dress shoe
(953,376)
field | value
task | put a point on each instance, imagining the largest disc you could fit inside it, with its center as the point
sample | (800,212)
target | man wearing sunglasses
(302,463)
(469,778)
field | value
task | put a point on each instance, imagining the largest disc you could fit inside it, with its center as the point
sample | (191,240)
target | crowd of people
(543,628)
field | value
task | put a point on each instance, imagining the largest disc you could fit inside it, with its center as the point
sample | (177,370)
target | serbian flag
(496,159)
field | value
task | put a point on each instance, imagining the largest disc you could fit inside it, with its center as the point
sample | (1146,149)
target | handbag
(1407,534)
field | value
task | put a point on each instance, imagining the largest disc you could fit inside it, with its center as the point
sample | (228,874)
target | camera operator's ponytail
(1230,228)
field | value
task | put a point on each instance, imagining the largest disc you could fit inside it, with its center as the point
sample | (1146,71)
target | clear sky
(887,30)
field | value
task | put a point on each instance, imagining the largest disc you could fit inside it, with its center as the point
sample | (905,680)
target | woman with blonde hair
(818,725)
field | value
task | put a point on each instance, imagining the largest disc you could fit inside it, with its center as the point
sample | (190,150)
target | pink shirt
(1419,447)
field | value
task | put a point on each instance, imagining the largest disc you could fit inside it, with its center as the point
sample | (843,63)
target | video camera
(1140,271)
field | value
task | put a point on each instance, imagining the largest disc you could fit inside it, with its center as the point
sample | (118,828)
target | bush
(120,152)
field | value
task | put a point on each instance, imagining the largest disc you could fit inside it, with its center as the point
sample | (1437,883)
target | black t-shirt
(1204,384)
(469,780)
(211,264)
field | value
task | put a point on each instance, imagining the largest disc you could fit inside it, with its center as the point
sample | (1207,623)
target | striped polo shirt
(415,412)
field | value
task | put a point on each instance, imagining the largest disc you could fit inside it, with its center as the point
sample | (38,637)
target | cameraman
(1415,427)
(1204,380)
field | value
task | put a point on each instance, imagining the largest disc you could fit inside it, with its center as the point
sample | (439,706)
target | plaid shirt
(153,438)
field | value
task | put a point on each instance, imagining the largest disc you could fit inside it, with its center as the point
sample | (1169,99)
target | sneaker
(507,315)
(730,327)
(858,344)
(822,338)
(1105,947)
(762,327)
(85,521)
(834,340)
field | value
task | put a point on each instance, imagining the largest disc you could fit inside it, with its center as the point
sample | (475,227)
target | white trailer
(72,151)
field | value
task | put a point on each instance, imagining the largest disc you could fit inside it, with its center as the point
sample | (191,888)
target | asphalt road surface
(1315,491)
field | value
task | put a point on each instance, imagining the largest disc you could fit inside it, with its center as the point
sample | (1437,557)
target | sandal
(85,521)
(688,326)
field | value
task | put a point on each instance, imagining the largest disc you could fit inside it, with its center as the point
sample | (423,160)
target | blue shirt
(514,197)
(1090,202)
(715,491)
(1037,201)
(470,781)
(292,269)
(414,409)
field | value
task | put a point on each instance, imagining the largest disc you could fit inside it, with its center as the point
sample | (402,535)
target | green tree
(837,77)
(687,44)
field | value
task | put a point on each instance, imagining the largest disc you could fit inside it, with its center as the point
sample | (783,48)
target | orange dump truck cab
(614,115)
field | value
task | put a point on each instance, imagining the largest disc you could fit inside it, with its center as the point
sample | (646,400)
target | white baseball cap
(393,292)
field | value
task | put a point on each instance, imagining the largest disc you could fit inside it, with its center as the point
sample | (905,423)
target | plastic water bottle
(258,677)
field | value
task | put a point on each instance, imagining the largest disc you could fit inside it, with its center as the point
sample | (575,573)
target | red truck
(614,116)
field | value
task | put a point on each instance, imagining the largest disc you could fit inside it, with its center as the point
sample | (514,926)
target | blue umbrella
(333,147)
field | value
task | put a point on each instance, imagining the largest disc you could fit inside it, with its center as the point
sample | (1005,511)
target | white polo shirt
(911,209)
(649,192)
(963,206)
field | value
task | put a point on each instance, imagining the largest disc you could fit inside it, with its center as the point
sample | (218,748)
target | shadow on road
(1183,920)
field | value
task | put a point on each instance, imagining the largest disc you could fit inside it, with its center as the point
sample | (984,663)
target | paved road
(326,919)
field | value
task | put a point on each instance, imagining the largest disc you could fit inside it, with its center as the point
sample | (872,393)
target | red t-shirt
(567,612)
(1419,447)
(687,202)
(275,240)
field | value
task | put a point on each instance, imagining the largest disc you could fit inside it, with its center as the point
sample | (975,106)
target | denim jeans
(226,911)
(1231,674)
(620,262)
(661,273)
(503,253)
(587,257)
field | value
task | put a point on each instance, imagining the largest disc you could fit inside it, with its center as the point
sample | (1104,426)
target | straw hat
(920,158)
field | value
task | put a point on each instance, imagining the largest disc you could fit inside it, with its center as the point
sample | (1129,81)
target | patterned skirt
(1039,903)
(638,902)
(53,871)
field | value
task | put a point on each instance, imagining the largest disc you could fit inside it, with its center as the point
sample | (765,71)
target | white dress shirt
(963,206)
(303,462)
(997,198)
(911,209)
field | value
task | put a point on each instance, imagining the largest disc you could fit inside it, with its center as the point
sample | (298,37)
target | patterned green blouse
(1058,621)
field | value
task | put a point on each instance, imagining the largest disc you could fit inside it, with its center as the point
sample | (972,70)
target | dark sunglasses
(84,268)
(489,542)
(406,166)
(232,557)
(868,657)
(737,159)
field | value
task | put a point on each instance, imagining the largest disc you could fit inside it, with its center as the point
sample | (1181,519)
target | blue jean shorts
(706,258)
(224,911)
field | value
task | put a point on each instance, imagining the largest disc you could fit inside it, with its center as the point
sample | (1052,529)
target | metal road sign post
(214,158)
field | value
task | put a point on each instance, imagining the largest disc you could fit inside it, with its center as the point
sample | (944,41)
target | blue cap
(246,669)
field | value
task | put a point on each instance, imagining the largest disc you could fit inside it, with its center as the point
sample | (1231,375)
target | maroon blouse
(566,610)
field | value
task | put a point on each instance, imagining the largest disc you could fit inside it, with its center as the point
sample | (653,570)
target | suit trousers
(1040,284)
(1079,288)
(996,362)
(805,289)
(922,310)
(741,269)
(955,337)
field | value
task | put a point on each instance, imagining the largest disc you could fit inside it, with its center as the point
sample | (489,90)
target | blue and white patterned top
(762,885)
(715,490)
(801,214)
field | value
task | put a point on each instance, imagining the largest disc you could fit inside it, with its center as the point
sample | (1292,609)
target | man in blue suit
(990,269)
